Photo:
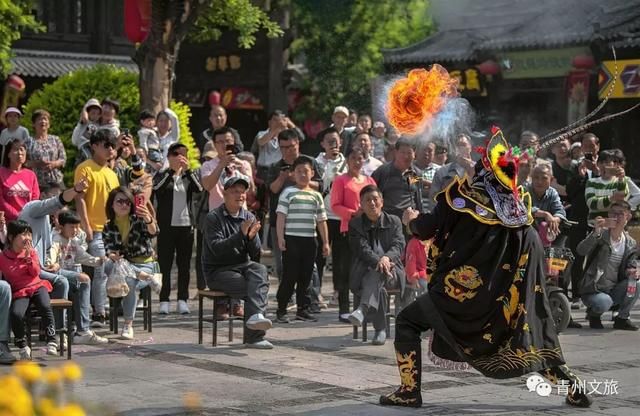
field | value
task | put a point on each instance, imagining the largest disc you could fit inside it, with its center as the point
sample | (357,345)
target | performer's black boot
(577,396)
(409,359)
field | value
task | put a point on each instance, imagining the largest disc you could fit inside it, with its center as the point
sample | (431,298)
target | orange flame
(414,101)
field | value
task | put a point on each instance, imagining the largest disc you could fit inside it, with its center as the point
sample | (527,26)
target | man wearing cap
(14,130)
(231,258)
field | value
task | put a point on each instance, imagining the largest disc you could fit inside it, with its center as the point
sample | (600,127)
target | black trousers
(576,235)
(19,309)
(297,266)
(248,281)
(175,242)
(341,260)
(202,283)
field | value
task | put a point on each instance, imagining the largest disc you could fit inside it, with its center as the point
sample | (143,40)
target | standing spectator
(563,166)
(352,120)
(530,140)
(378,140)
(147,134)
(362,141)
(128,235)
(390,148)
(173,194)
(363,126)
(311,146)
(266,143)
(377,244)
(108,120)
(611,264)
(576,152)
(391,182)
(424,161)
(280,177)
(18,185)
(20,267)
(45,152)
(612,186)
(218,119)
(585,170)
(91,209)
(168,127)
(461,166)
(525,168)
(231,259)
(441,154)
(300,210)
(13,130)
(345,202)
(88,124)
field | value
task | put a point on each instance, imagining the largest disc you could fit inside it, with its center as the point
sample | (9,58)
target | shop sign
(544,63)
(223,63)
(470,82)
(627,82)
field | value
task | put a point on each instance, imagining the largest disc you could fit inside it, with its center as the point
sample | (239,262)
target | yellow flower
(15,400)
(71,409)
(53,376)
(27,371)
(72,372)
(46,406)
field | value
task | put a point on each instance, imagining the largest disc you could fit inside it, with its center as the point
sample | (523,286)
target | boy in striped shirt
(612,186)
(300,211)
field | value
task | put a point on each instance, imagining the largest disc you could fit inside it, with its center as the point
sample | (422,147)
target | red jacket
(22,273)
(416,260)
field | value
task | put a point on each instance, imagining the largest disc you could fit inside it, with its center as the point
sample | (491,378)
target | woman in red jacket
(21,269)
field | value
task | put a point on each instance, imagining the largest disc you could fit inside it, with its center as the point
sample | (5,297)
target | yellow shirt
(123,224)
(102,180)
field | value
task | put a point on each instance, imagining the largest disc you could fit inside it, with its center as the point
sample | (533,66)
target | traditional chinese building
(534,65)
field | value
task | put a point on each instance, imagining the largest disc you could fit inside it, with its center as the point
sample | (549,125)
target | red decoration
(214,98)
(137,19)
(240,99)
(489,67)
(583,62)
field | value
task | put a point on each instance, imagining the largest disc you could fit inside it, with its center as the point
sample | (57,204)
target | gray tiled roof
(49,64)
(467,27)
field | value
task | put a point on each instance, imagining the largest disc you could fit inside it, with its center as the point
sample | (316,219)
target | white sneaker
(156,282)
(260,345)
(89,338)
(183,308)
(52,348)
(127,332)
(24,354)
(164,308)
(258,322)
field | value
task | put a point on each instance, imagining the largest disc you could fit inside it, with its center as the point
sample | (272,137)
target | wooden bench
(216,295)
(388,315)
(65,305)
(115,303)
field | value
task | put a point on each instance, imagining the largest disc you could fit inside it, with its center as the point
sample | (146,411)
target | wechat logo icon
(536,383)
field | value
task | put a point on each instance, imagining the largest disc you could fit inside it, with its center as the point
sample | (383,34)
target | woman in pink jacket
(345,202)
(18,185)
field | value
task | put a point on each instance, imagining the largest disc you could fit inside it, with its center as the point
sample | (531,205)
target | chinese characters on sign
(223,63)
(470,82)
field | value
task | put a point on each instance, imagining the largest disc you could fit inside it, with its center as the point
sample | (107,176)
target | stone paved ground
(318,369)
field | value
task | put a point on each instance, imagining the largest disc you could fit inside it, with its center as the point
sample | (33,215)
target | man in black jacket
(231,255)
(173,190)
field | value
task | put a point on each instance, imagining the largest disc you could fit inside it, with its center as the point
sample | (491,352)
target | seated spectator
(20,267)
(231,259)
(362,141)
(18,185)
(612,186)
(377,243)
(88,124)
(546,205)
(6,357)
(45,152)
(345,203)
(128,234)
(611,263)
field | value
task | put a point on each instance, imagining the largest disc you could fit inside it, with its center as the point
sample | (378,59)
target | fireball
(414,101)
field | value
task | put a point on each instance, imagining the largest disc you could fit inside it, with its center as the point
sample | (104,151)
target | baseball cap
(234,180)
(341,109)
(12,110)
(93,102)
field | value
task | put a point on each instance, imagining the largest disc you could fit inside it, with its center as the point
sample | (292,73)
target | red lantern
(583,62)
(137,19)
(489,67)
(214,98)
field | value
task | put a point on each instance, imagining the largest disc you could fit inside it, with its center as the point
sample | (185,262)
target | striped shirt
(599,191)
(303,209)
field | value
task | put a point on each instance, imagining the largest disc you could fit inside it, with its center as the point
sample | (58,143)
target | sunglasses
(123,202)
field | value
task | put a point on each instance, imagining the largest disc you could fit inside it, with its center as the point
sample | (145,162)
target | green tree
(15,18)
(340,43)
(173,20)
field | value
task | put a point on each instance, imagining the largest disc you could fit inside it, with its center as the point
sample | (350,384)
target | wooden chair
(216,295)
(64,304)
(388,314)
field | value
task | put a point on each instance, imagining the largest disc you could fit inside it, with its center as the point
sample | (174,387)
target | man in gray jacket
(611,264)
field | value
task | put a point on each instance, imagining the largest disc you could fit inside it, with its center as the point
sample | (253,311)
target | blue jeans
(5,304)
(130,301)
(99,279)
(599,303)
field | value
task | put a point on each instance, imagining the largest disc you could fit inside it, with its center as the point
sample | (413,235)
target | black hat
(234,180)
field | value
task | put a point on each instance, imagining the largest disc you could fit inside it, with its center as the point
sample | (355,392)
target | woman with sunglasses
(128,234)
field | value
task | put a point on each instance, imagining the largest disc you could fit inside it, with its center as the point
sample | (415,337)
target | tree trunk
(156,56)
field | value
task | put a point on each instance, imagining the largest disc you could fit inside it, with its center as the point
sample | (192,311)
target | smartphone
(139,200)
(232,148)
(125,132)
